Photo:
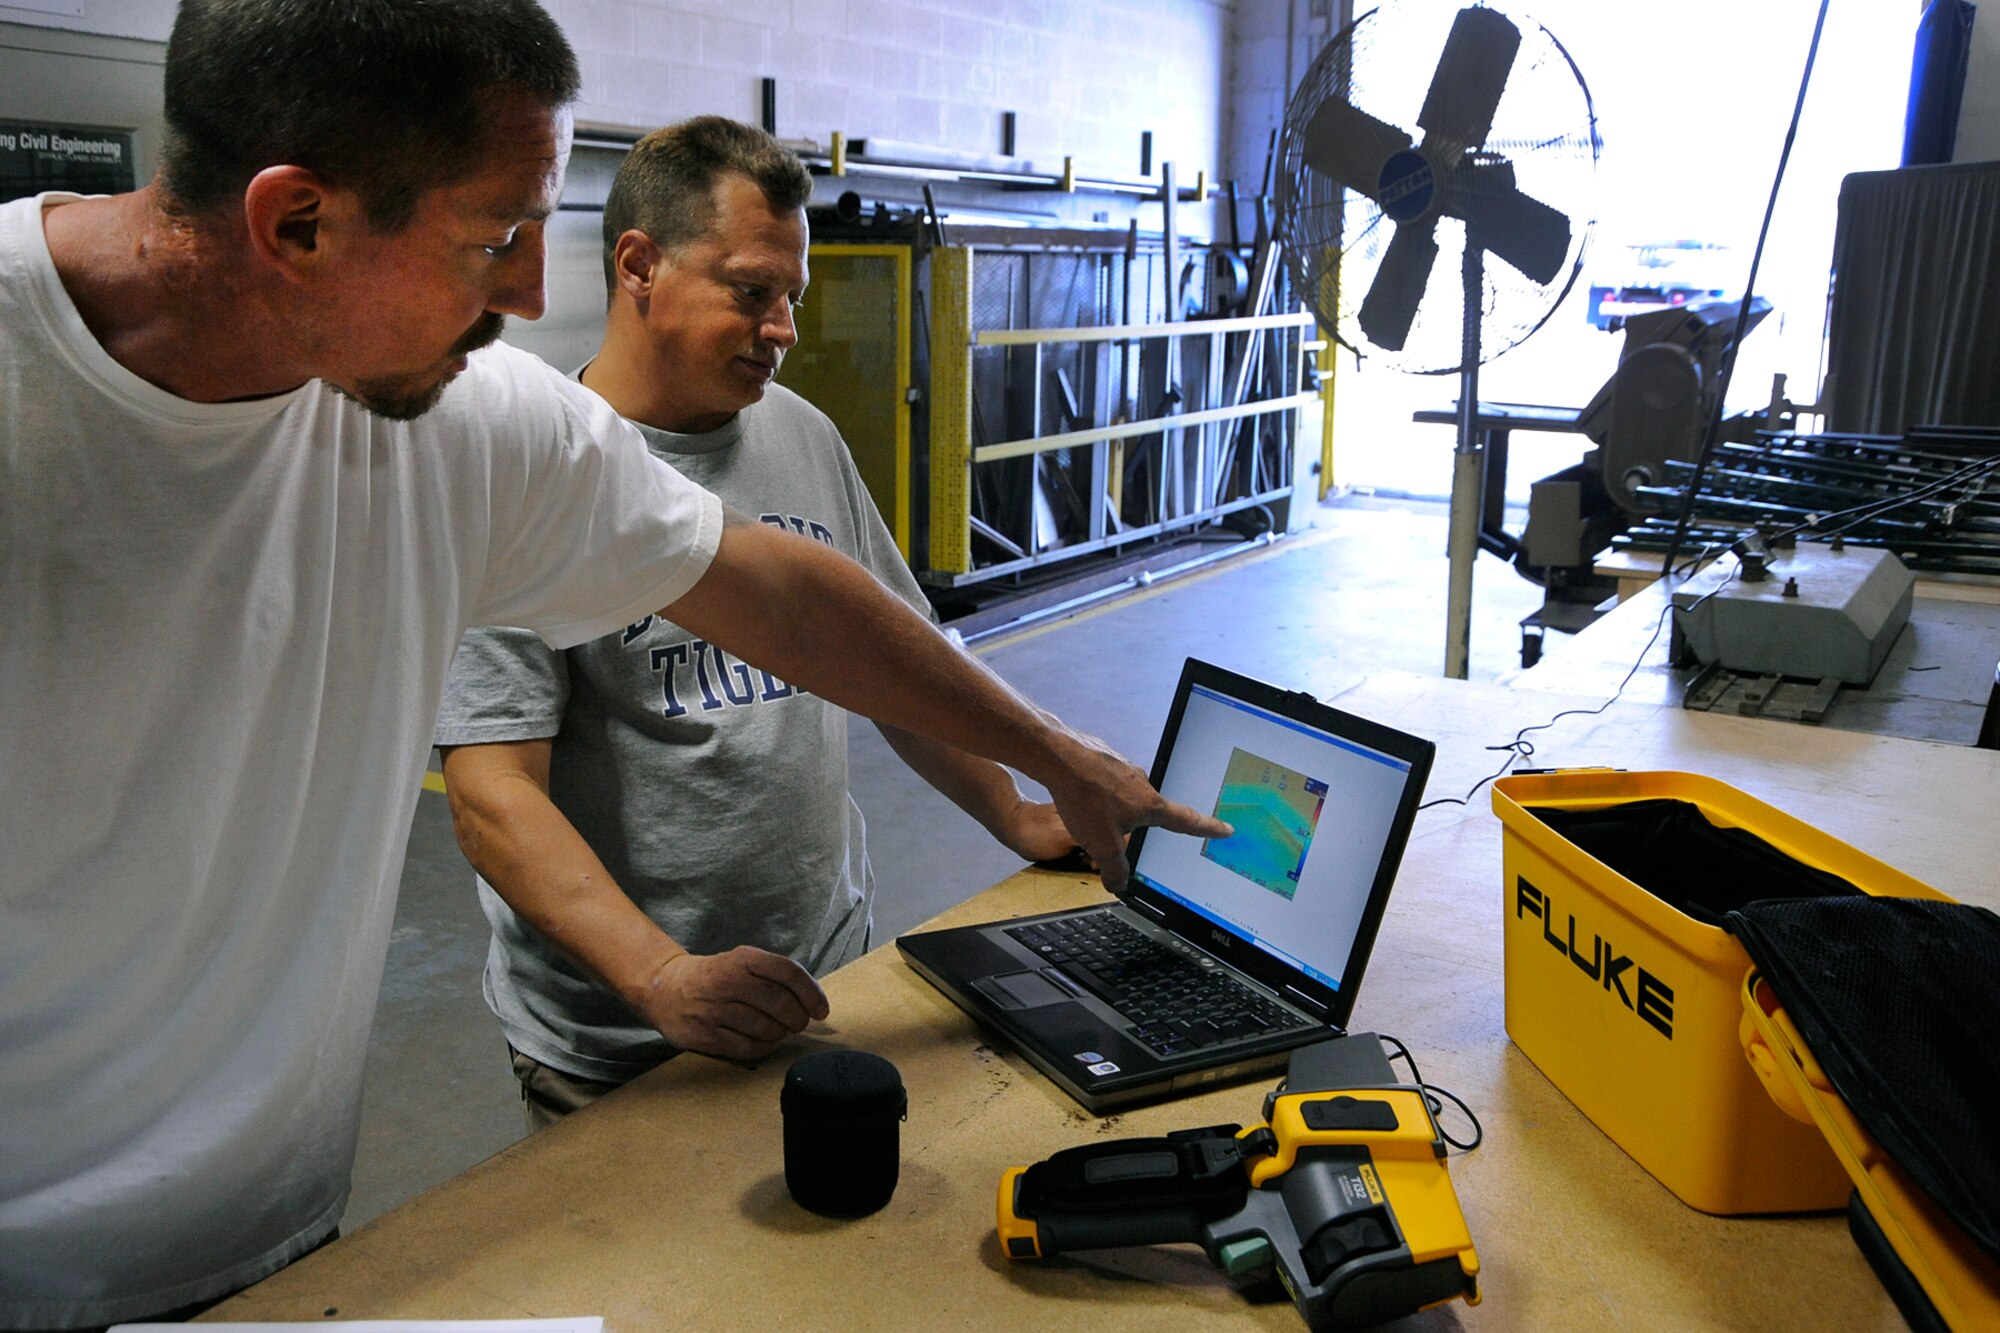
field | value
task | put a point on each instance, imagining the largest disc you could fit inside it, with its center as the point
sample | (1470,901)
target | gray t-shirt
(715,794)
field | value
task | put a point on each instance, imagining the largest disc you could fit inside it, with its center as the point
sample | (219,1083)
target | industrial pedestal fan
(1439,233)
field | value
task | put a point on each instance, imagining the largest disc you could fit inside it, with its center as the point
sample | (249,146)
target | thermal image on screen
(1274,811)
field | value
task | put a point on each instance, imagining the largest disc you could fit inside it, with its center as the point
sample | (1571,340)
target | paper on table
(579,1323)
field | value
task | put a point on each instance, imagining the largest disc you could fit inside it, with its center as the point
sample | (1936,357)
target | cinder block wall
(1271,46)
(1083,77)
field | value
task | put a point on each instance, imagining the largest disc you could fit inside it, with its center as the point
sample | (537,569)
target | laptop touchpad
(1021,990)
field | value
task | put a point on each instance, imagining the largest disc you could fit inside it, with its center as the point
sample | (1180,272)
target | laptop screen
(1313,813)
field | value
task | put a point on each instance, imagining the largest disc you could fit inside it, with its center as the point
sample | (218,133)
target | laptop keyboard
(1174,1001)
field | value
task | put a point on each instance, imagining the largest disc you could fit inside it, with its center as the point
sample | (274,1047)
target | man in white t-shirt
(256,478)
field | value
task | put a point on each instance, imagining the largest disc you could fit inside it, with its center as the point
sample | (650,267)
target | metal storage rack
(1034,404)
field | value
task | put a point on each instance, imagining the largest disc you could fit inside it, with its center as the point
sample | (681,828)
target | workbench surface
(665,1206)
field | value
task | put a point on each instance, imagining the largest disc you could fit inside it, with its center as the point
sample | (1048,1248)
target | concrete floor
(1360,590)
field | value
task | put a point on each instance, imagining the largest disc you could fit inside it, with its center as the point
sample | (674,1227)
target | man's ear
(287,210)
(634,256)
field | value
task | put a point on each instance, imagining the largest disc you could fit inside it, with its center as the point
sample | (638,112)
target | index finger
(1114,869)
(1178,818)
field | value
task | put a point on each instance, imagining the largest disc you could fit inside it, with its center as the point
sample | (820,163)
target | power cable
(1520,748)
(1743,308)
(1432,1093)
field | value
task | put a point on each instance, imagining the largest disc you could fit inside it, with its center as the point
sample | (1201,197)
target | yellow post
(1329,300)
(1326,364)
(951,410)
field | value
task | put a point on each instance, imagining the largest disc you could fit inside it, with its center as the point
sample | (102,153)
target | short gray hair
(666,185)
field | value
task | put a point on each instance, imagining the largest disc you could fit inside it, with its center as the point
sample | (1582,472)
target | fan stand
(1467,473)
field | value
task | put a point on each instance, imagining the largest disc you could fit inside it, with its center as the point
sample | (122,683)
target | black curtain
(1913,333)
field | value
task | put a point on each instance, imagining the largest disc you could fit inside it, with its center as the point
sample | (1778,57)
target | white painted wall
(148,20)
(1979,112)
(1272,44)
(1083,77)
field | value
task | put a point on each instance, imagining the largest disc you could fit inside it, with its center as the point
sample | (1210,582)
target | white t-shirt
(223,631)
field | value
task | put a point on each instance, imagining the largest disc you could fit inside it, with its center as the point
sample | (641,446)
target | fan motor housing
(1408,186)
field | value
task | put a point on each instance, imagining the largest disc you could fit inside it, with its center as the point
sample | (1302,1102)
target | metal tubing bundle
(1931,496)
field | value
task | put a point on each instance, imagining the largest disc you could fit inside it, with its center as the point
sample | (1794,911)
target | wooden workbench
(665,1205)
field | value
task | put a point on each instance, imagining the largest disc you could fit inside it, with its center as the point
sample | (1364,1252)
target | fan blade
(1348,146)
(1519,228)
(1391,305)
(1465,90)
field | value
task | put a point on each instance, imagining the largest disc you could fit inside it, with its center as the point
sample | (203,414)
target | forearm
(1032,830)
(736,1004)
(523,846)
(814,617)
(810,616)
(980,787)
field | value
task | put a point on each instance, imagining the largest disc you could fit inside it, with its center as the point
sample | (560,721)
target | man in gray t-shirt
(667,850)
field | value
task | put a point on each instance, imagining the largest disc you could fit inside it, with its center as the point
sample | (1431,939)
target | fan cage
(1545,126)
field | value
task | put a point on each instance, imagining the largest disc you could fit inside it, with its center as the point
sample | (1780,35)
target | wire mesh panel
(853,363)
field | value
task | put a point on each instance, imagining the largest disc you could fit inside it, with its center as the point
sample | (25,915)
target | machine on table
(1780,632)
(1827,615)
(1651,412)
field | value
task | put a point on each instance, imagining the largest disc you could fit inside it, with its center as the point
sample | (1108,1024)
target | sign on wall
(37,156)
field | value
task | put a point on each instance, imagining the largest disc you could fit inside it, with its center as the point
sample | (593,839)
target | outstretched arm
(1032,830)
(736,1005)
(801,611)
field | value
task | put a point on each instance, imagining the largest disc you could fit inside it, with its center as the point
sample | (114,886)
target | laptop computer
(1226,953)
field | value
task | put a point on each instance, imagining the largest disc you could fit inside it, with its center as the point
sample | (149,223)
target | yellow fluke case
(1631,1007)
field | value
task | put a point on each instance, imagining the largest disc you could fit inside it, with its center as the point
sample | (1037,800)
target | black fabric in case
(841,1111)
(1897,1000)
(1669,849)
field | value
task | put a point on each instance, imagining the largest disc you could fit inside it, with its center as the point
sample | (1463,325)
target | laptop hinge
(1155,912)
(1307,1003)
